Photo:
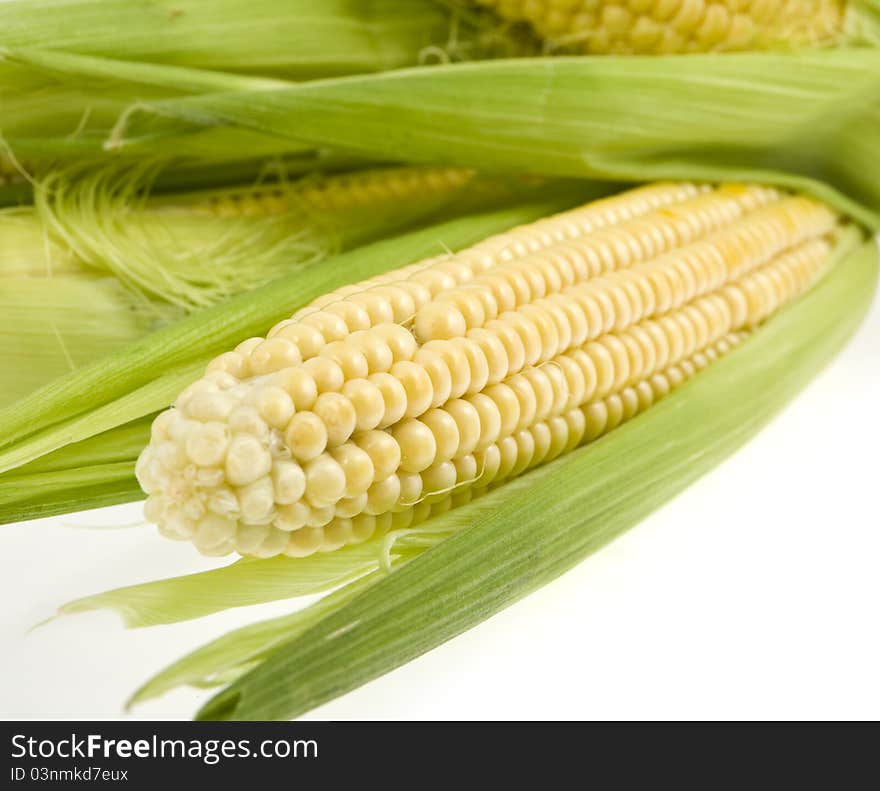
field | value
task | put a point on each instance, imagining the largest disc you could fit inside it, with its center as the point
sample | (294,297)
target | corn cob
(676,26)
(387,402)
(343,192)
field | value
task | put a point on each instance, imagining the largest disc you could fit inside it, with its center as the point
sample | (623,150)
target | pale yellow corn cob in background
(342,192)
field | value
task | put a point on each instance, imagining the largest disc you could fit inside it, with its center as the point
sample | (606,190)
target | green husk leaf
(241,583)
(229,656)
(145,400)
(62,491)
(298,39)
(45,333)
(778,118)
(225,658)
(86,71)
(533,529)
(122,444)
(60,107)
(95,472)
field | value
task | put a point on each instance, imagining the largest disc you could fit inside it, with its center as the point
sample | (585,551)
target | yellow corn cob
(675,26)
(389,401)
(335,193)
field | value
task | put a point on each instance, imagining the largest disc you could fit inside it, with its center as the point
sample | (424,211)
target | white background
(755,594)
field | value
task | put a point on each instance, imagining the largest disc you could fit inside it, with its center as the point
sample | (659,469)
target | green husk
(86,72)
(244,582)
(778,118)
(227,657)
(64,491)
(45,332)
(531,530)
(122,444)
(59,107)
(69,68)
(297,39)
(149,373)
(97,471)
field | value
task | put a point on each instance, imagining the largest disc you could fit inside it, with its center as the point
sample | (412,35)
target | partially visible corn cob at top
(676,26)
(389,401)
